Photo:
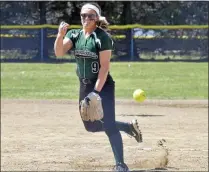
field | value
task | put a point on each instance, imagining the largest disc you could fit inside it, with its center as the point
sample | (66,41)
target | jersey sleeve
(72,34)
(106,43)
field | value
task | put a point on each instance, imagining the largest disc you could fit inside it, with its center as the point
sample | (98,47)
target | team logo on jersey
(85,54)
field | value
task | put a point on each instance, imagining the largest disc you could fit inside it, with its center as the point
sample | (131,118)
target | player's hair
(102,22)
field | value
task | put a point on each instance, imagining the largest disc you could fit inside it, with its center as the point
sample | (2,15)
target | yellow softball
(139,95)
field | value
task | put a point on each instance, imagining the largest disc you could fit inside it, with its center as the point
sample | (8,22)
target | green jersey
(86,51)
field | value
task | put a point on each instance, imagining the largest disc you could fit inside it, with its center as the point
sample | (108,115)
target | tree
(142,12)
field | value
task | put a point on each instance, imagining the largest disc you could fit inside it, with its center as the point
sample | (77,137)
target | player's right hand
(62,30)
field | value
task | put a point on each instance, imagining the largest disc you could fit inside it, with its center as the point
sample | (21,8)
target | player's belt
(87,81)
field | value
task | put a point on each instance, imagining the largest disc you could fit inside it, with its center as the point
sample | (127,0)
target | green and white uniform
(87,50)
(88,64)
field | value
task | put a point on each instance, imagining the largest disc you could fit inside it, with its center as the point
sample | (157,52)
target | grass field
(59,81)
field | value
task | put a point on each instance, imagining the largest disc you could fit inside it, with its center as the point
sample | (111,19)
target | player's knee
(92,127)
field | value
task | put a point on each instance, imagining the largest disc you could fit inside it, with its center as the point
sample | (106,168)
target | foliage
(124,12)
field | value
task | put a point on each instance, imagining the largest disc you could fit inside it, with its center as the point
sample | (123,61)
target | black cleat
(135,131)
(121,167)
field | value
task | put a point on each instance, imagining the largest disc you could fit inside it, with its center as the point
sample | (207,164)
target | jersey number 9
(95,67)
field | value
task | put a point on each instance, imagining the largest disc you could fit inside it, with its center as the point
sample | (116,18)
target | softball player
(92,48)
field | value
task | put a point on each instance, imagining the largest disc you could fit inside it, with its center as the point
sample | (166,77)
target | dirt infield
(40,135)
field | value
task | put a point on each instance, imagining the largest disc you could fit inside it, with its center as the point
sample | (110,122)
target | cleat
(121,167)
(135,131)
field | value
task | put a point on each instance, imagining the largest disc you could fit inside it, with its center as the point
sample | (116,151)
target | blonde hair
(102,23)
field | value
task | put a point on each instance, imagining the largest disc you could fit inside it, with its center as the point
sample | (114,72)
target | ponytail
(102,23)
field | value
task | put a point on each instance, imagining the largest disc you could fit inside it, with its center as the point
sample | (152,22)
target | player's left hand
(91,107)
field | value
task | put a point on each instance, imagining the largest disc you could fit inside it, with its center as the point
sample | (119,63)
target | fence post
(132,46)
(42,45)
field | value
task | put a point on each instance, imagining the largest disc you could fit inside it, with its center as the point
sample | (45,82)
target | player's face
(88,18)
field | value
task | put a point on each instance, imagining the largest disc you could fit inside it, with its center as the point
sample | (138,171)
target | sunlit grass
(59,81)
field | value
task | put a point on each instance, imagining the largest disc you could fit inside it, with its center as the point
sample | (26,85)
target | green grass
(59,81)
